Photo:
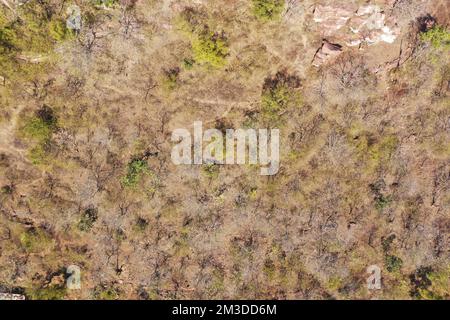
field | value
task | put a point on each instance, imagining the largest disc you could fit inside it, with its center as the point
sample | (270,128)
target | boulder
(326,52)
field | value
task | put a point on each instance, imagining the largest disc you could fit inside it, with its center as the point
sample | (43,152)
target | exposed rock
(11,296)
(332,18)
(326,53)
(366,24)
(370,26)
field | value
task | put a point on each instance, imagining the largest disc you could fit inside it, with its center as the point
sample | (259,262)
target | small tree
(266,10)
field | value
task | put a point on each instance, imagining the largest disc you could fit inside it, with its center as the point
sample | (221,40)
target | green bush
(35,240)
(47,293)
(279,93)
(210,48)
(437,36)
(171,78)
(136,168)
(268,9)
(106,3)
(32,32)
(103,292)
(382,202)
(393,263)
(58,30)
(40,128)
(87,219)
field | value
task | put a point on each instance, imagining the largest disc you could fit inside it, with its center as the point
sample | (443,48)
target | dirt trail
(7,129)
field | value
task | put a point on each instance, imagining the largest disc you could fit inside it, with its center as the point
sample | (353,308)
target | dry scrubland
(86,176)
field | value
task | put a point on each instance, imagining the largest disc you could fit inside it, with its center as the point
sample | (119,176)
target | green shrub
(383,150)
(7,189)
(382,202)
(171,78)
(106,3)
(41,125)
(437,36)
(210,48)
(32,32)
(188,63)
(106,293)
(393,263)
(278,94)
(136,168)
(87,219)
(35,240)
(47,293)
(387,242)
(268,9)
(58,30)
(38,154)
(40,128)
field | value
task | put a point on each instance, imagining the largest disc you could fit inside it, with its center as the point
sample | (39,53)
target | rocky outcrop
(332,19)
(11,296)
(356,25)
(327,52)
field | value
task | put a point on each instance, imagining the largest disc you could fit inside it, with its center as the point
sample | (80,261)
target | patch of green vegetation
(171,78)
(88,219)
(30,34)
(211,170)
(393,263)
(278,94)
(218,282)
(375,152)
(7,189)
(39,129)
(383,150)
(106,3)
(438,36)
(387,242)
(35,240)
(136,168)
(210,48)
(382,202)
(266,10)
(334,283)
(38,154)
(36,128)
(106,293)
(440,284)
(46,293)
(429,284)
(58,30)
(188,63)
(269,269)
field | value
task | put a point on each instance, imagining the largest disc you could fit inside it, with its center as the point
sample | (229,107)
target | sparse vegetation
(438,36)
(393,263)
(88,219)
(87,179)
(268,9)
(279,93)
(210,48)
(135,170)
